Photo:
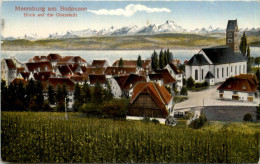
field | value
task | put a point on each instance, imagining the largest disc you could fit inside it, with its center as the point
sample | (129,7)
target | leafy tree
(155,61)
(51,95)
(21,92)
(184,91)
(108,93)
(65,94)
(161,59)
(243,44)
(190,82)
(257,61)
(59,95)
(139,62)
(116,108)
(121,63)
(86,92)
(97,96)
(39,95)
(77,98)
(199,122)
(258,112)
(258,74)
(29,92)
(184,81)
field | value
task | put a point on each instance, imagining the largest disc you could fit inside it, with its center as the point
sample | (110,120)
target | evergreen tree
(108,93)
(249,62)
(19,103)
(97,97)
(170,56)
(65,94)
(59,94)
(161,59)
(77,98)
(155,61)
(4,96)
(121,63)
(243,44)
(51,95)
(166,61)
(139,62)
(190,82)
(29,92)
(258,75)
(86,92)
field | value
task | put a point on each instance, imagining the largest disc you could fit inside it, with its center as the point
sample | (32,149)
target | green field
(48,137)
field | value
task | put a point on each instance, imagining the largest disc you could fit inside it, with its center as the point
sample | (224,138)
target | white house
(8,70)
(216,64)
(242,87)
(176,73)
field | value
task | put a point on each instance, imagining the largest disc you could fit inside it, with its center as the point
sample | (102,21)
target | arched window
(240,69)
(196,74)
(217,73)
(202,74)
(244,69)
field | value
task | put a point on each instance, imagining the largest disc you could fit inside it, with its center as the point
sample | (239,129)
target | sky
(104,14)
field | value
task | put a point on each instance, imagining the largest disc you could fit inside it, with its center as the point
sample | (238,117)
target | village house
(93,79)
(176,73)
(8,70)
(119,71)
(150,100)
(163,78)
(242,87)
(99,63)
(219,63)
(146,64)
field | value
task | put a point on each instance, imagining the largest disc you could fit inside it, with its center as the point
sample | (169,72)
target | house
(99,63)
(80,79)
(73,60)
(116,71)
(8,70)
(176,62)
(93,79)
(54,59)
(63,71)
(222,62)
(124,84)
(163,78)
(176,73)
(55,82)
(93,70)
(38,67)
(133,63)
(150,100)
(242,87)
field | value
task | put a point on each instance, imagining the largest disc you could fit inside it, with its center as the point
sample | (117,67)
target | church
(216,64)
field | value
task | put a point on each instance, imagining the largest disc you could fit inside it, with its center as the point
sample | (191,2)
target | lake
(109,55)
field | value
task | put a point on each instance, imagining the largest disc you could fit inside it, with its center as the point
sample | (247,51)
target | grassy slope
(47,137)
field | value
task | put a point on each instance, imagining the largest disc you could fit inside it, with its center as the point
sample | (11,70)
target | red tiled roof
(98,63)
(55,82)
(43,66)
(94,71)
(10,64)
(176,61)
(65,70)
(132,63)
(158,93)
(17,81)
(20,70)
(93,79)
(73,67)
(25,75)
(39,59)
(79,78)
(129,81)
(186,61)
(54,57)
(175,68)
(42,76)
(163,75)
(120,70)
(74,59)
(243,83)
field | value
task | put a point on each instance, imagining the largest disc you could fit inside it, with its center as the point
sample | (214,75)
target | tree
(169,54)
(248,117)
(243,44)
(258,74)
(184,91)
(108,93)
(39,95)
(29,92)
(258,112)
(121,63)
(51,95)
(165,58)
(155,61)
(249,62)
(65,94)
(19,103)
(139,62)
(59,94)
(257,61)
(4,96)
(77,98)
(161,59)
(190,82)
(97,97)
(86,92)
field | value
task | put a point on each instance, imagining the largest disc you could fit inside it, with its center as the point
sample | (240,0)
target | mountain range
(167,27)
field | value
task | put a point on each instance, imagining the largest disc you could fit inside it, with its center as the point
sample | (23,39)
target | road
(208,97)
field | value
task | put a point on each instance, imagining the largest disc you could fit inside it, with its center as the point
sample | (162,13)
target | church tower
(232,39)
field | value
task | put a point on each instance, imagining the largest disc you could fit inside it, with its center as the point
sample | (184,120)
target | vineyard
(48,137)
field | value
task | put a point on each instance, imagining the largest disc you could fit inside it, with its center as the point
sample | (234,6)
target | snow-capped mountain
(169,26)
(108,31)
(87,32)
(151,29)
(31,37)
(126,30)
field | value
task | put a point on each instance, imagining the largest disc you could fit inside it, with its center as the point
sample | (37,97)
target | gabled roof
(79,78)
(65,70)
(232,25)
(25,75)
(98,63)
(158,93)
(176,62)
(120,70)
(10,64)
(39,59)
(54,57)
(17,81)
(243,83)
(93,70)
(42,76)
(129,81)
(20,70)
(93,79)
(209,75)
(163,75)
(197,60)
(175,68)
(55,82)
(223,55)
(132,63)
(74,59)
(42,66)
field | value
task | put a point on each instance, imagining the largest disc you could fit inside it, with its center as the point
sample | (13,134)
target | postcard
(130,81)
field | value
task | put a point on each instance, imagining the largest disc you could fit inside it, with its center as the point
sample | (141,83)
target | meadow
(49,137)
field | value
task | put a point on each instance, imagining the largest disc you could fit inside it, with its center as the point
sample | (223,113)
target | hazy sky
(100,14)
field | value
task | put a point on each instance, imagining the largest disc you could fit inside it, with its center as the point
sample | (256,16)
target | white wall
(161,120)
(242,95)
(116,90)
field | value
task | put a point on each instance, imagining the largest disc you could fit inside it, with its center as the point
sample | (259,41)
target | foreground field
(48,137)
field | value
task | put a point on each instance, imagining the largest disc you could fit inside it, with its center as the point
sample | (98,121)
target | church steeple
(232,39)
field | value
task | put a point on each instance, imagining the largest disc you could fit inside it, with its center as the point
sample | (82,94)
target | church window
(230,34)
(240,69)
(196,74)
(217,73)
(244,69)
(227,71)
(231,68)
(202,74)
(229,40)
(222,72)
(235,70)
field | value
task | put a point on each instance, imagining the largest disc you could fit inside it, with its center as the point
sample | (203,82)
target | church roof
(209,75)
(223,55)
(197,60)
(232,25)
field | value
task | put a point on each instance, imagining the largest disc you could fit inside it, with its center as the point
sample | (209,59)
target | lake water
(109,55)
